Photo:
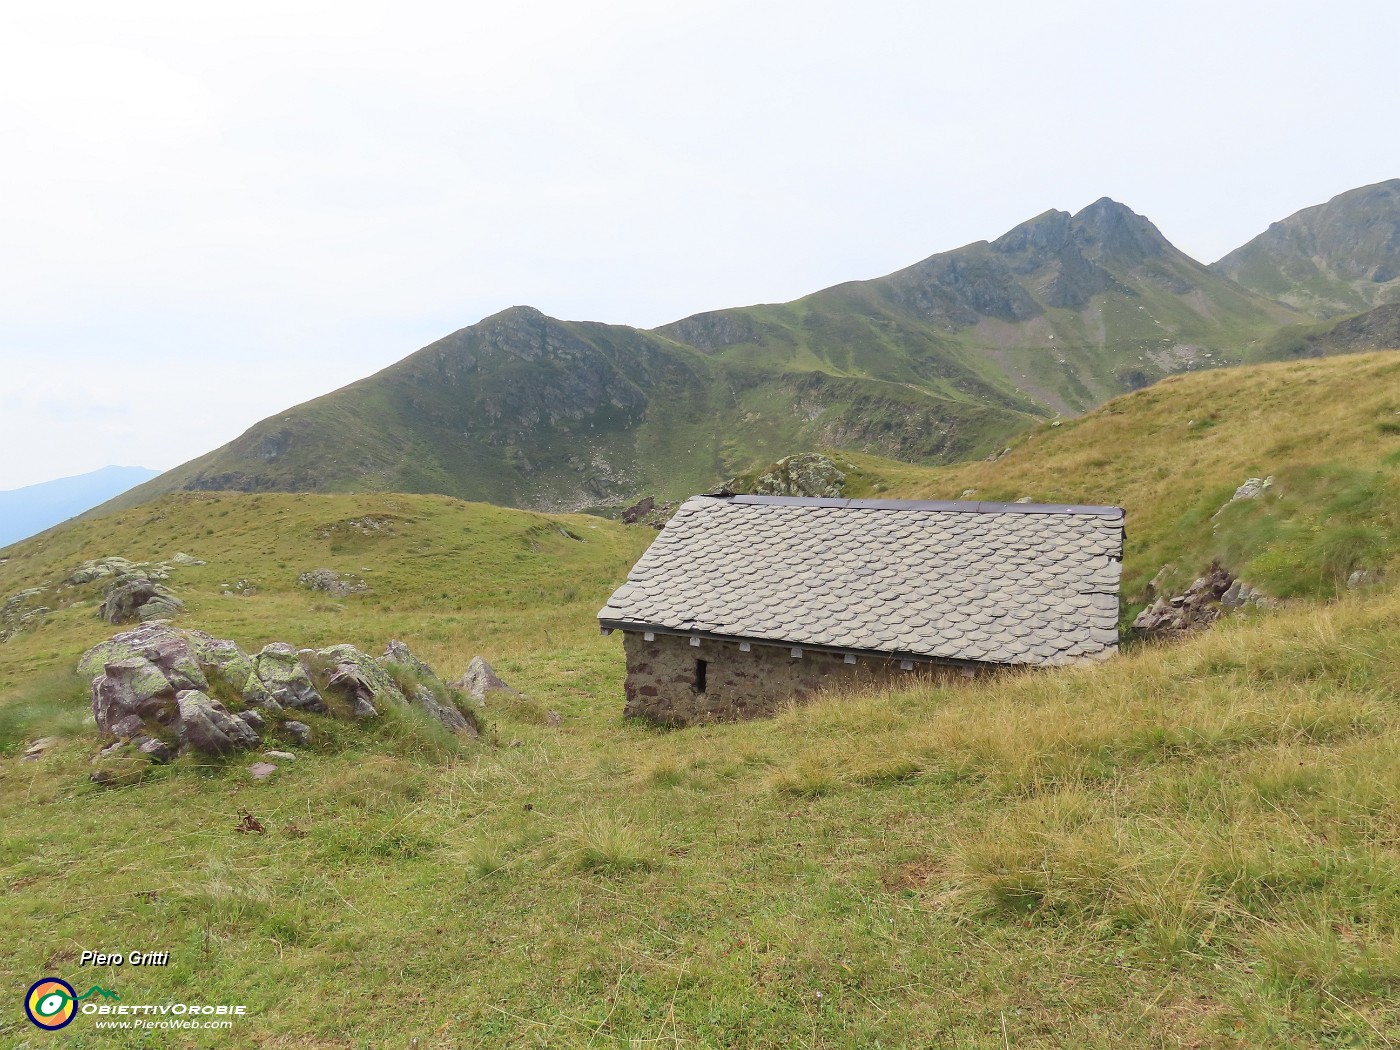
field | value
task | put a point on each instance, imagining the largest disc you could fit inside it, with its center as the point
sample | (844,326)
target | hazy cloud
(214,211)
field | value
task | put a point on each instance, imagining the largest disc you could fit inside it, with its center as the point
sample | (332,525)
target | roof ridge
(951,506)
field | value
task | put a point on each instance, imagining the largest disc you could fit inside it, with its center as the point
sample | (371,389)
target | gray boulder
(99,568)
(397,652)
(807,474)
(300,733)
(205,725)
(139,598)
(332,582)
(367,681)
(480,679)
(361,680)
(1252,488)
(281,672)
(447,713)
(255,720)
(431,693)
(166,647)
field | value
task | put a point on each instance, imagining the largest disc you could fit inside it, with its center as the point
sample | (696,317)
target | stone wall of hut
(672,682)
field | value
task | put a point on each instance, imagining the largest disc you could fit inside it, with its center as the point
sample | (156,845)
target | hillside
(33,508)
(935,363)
(1193,845)
(1069,309)
(1327,431)
(1335,258)
(523,409)
(1377,329)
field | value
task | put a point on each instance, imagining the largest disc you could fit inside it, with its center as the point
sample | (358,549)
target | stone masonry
(666,684)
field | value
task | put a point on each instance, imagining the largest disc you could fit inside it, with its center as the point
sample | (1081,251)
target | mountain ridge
(1339,257)
(939,361)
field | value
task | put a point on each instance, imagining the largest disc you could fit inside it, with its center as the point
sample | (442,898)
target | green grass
(1192,845)
(1173,454)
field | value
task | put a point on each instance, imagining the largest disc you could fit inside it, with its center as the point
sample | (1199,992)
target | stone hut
(746,602)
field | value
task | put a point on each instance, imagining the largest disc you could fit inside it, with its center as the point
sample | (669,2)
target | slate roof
(1017,583)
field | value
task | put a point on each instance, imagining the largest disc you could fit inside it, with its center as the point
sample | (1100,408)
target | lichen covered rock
(158,690)
(807,474)
(139,598)
(209,727)
(281,672)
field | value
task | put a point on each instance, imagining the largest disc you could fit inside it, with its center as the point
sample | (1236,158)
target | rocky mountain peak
(1044,235)
(1107,231)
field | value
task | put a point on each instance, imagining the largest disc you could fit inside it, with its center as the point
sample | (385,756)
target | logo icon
(51,1003)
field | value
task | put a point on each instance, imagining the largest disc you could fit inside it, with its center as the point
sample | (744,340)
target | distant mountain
(937,362)
(34,508)
(1336,258)
(1067,310)
(1377,329)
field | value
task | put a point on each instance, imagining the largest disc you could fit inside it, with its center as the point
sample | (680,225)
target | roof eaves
(636,627)
(954,506)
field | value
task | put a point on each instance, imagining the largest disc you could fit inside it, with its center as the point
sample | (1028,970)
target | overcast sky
(210,212)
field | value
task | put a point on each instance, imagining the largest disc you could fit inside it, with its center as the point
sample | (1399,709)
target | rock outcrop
(428,691)
(336,584)
(139,598)
(158,691)
(280,669)
(19,610)
(807,474)
(647,511)
(1200,605)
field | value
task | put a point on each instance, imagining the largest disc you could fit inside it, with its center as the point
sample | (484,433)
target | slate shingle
(962,581)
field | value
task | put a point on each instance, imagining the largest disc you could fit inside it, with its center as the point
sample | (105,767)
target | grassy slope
(605,414)
(1172,455)
(1187,847)
(1191,846)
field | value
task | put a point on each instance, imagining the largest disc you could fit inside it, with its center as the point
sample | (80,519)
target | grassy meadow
(1195,845)
(1326,430)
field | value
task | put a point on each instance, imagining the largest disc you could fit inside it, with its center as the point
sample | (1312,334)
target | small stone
(252,719)
(158,750)
(37,749)
(280,754)
(1363,578)
(261,770)
(481,679)
(300,732)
